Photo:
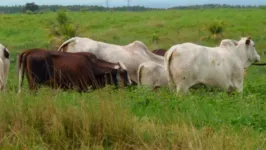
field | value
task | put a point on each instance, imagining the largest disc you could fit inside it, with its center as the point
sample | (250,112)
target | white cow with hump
(188,64)
(153,75)
(131,55)
(4,66)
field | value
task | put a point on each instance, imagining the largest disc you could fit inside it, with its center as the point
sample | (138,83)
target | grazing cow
(67,70)
(160,52)
(131,55)
(4,66)
(152,75)
(188,64)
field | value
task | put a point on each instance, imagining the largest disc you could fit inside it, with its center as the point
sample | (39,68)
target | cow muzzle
(257,59)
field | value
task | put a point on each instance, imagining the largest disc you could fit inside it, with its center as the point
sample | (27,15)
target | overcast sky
(149,3)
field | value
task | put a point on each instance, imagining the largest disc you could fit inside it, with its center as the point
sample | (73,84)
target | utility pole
(128,4)
(107,3)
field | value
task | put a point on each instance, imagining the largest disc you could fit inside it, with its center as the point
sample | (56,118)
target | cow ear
(248,41)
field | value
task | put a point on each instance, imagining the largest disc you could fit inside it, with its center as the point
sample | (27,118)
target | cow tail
(21,65)
(62,47)
(139,74)
(167,64)
(19,70)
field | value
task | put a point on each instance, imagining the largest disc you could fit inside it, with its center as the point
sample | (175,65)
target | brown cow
(160,52)
(67,70)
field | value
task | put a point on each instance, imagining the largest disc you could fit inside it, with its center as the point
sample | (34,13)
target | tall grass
(102,120)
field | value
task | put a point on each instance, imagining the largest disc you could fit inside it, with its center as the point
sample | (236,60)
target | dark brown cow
(160,52)
(68,70)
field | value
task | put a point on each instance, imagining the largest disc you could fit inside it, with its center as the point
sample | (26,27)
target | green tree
(31,6)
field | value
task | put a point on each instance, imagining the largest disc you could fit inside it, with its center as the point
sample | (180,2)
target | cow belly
(211,75)
(189,73)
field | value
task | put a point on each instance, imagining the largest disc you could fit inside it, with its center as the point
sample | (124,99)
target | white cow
(131,55)
(152,75)
(4,66)
(188,64)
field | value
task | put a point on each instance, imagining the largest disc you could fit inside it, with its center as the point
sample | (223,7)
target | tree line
(34,8)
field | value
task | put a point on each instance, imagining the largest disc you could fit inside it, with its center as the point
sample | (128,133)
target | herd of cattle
(83,63)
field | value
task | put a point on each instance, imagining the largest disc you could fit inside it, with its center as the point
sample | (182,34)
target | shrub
(155,38)
(31,7)
(28,12)
(62,29)
(216,30)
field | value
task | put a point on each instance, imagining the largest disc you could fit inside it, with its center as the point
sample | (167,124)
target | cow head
(247,50)
(4,52)
(123,74)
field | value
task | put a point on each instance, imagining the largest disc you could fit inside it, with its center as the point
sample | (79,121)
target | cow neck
(240,52)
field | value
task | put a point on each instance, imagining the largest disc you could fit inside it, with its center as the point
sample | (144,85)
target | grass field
(135,118)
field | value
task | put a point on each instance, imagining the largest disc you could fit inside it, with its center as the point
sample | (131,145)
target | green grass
(135,118)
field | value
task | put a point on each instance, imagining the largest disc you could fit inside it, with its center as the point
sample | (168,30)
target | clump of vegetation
(29,12)
(62,29)
(215,29)
(155,38)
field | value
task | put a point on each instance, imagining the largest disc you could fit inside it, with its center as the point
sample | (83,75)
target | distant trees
(31,7)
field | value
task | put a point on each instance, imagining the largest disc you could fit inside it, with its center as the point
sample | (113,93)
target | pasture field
(135,117)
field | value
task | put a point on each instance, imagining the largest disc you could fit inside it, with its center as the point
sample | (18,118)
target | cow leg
(239,84)
(1,75)
(133,77)
(82,85)
(239,89)
(133,83)
(182,83)
(31,80)
(155,88)
(171,86)
(6,70)
(182,89)
(33,85)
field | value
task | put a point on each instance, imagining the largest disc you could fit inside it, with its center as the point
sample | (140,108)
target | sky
(147,3)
